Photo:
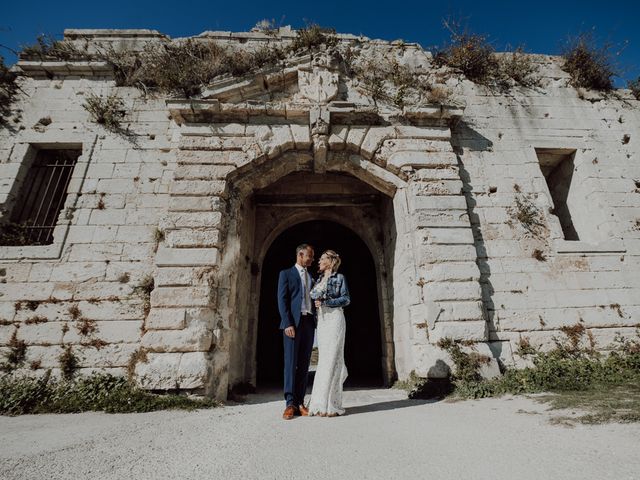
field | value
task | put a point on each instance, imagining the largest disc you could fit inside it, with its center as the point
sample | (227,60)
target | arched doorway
(266,214)
(363,346)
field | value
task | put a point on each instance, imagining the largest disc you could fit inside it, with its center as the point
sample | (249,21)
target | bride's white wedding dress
(331,371)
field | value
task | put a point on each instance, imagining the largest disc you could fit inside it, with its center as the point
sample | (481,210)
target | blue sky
(542,26)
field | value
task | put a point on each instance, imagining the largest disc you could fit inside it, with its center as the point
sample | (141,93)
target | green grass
(99,392)
(603,403)
(573,375)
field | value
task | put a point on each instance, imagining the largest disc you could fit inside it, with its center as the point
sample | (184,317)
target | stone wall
(156,240)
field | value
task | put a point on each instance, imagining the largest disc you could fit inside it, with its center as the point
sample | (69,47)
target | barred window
(42,196)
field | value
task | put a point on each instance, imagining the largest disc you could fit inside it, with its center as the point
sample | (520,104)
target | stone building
(497,216)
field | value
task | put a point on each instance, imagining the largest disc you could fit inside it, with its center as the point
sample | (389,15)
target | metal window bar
(44,193)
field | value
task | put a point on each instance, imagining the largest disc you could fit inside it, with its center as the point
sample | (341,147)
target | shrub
(589,66)
(16,355)
(467,365)
(74,311)
(36,319)
(539,255)
(15,234)
(8,91)
(144,289)
(108,112)
(182,68)
(312,37)
(519,67)
(472,55)
(48,48)
(418,387)
(68,363)
(634,86)
(438,95)
(528,215)
(86,326)
(99,392)
(139,356)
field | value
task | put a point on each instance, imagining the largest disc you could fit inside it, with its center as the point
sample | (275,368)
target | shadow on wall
(464,137)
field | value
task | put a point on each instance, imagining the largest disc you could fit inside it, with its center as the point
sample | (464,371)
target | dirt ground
(384,435)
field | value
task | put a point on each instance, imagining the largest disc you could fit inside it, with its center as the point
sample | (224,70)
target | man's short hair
(301,247)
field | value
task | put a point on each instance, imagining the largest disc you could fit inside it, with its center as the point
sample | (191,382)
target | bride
(330,294)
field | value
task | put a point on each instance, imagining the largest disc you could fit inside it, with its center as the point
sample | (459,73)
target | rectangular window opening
(557,166)
(41,198)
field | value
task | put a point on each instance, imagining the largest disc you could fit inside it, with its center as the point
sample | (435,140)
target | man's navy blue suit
(297,350)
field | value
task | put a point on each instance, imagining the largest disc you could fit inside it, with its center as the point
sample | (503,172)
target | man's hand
(318,303)
(290,332)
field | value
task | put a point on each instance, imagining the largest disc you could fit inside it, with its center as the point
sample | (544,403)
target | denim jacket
(336,294)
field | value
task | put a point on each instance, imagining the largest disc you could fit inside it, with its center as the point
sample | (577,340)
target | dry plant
(588,65)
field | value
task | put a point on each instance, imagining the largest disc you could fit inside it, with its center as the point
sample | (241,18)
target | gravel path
(383,436)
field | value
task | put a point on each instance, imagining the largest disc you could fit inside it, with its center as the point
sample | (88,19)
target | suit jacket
(290,293)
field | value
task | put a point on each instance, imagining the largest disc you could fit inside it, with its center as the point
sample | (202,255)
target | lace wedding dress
(331,372)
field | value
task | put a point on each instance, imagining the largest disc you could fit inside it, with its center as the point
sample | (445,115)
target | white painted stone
(451,291)
(166,319)
(159,372)
(445,236)
(468,330)
(197,338)
(176,257)
(194,370)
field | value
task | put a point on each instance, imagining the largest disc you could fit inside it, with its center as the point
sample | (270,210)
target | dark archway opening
(363,347)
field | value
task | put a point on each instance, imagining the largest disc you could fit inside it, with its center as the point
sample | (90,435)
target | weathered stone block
(197,187)
(469,331)
(208,237)
(420,160)
(160,371)
(166,319)
(301,136)
(450,271)
(452,291)
(176,257)
(194,370)
(181,296)
(373,140)
(110,331)
(197,338)
(445,236)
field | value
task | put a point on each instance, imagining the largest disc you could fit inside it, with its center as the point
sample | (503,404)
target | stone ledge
(64,68)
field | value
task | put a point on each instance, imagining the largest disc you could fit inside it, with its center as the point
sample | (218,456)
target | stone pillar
(182,328)
(450,302)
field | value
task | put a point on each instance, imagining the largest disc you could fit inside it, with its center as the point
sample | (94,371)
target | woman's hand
(318,303)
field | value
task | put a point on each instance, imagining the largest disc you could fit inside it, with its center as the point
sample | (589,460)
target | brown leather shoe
(304,411)
(289,412)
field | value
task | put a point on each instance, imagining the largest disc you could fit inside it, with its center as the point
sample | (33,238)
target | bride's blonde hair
(334,258)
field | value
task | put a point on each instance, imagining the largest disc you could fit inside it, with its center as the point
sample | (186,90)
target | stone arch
(241,235)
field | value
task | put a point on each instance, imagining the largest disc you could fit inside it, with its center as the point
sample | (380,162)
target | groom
(298,322)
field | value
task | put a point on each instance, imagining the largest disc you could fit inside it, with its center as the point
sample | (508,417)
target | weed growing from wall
(527,214)
(16,355)
(472,55)
(108,112)
(588,65)
(68,363)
